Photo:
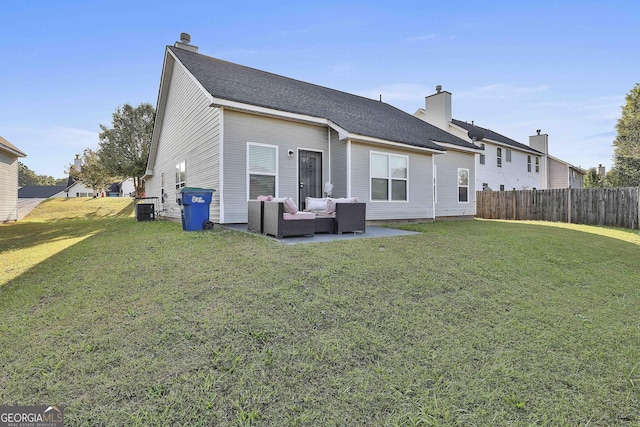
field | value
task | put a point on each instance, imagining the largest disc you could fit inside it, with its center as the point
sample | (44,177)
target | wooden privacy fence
(613,207)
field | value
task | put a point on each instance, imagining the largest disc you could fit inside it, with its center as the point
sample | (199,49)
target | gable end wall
(190,132)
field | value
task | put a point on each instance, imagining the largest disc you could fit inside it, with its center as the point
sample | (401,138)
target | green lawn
(469,323)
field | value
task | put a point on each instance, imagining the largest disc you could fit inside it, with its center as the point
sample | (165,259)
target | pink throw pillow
(290,205)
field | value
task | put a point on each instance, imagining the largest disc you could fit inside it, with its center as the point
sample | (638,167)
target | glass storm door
(310,174)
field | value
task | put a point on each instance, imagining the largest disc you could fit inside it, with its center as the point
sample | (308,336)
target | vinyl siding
(420,184)
(447,166)
(513,175)
(338,166)
(558,174)
(242,128)
(190,133)
(8,188)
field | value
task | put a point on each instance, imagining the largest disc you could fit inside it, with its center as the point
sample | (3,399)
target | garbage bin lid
(196,190)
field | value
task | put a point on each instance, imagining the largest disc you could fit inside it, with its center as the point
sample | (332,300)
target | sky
(563,67)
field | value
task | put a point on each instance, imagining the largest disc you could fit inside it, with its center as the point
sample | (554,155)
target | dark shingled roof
(494,136)
(355,114)
(39,191)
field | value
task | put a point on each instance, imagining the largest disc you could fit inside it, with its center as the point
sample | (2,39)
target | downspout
(221,160)
(475,184)
(348,167)
(434,185)
(330,178)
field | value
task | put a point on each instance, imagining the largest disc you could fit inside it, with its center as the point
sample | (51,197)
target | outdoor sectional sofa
(276,218)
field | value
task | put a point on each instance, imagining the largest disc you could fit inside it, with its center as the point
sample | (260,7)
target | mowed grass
(36,238)
(469,323)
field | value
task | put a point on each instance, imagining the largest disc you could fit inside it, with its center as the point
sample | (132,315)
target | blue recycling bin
(194,206)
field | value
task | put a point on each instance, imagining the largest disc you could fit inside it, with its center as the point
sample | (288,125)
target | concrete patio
(371,232)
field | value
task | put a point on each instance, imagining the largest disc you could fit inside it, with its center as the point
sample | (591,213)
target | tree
(592,179)
(28,177)
(93,174)
(626,158)
(124,148)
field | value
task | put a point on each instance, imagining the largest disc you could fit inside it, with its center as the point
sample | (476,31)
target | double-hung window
(499,157)
(508,154)
(181,174)
(389,176)
(262,168)
(463,185)
(528,163)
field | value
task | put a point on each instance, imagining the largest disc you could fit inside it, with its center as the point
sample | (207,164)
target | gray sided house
(9,155)
(246,132)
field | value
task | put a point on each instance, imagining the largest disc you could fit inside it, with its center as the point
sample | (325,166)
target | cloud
(398,93)
(610,135)
(60,136)
(427,37)
(50,150)
(422,38)
(502,92)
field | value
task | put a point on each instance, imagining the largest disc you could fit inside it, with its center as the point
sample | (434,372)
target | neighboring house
(506,164)
(41,191)
(9,155)
(559,174)
(124,188)
(77,189)
(246,132)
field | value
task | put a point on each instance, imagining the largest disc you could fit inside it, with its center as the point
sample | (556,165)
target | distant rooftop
(494,136)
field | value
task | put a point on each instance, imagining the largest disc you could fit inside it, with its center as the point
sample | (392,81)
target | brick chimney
(185,39)
(438,108)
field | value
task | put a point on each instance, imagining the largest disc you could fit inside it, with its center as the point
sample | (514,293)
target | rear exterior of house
(245,132)
(9,155)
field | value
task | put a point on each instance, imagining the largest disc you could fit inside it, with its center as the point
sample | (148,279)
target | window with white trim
(499,157)
(537,164)
(389,176)
(262,169)
(482,159)
(508,155)
(528,163)
(463,185)
(181,174)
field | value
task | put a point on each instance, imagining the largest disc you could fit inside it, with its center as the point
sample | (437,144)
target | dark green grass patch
(467,323)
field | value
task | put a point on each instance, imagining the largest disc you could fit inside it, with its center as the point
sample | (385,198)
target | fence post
(569,205)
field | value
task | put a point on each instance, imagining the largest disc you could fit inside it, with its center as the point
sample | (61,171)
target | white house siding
(558,174)
(78,190)
(512,174)
(338,166)
(242,128)
(420,185)
(447,166)
(190,133)
(8,188)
